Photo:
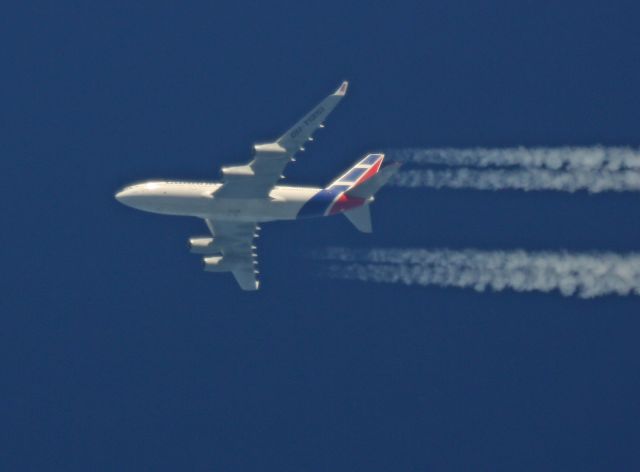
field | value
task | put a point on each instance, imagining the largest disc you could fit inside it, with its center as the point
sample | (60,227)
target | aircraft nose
(122,195)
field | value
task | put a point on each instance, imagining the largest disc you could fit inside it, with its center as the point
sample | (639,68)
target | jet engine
(221,263)
(201,245)
(215,264)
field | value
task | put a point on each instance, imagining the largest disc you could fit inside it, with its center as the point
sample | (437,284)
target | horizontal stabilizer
(360,217)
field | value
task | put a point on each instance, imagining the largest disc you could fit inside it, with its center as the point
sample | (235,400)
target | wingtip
(251,287)
(342,90)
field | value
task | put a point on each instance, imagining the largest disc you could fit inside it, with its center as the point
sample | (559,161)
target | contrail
(567,169)
(610,159)
(521,179)
(585,275)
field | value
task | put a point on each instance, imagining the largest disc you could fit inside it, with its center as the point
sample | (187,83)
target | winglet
(342,90)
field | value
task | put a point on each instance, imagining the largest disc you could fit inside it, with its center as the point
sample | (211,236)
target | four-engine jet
(249,194)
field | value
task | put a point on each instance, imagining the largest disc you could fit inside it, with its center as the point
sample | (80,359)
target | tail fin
(351,190)
(359,173)
(368,188)
(356,188)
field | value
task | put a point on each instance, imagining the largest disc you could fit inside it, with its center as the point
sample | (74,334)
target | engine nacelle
(269,148)
(221,263)
(214,264)
(202,245)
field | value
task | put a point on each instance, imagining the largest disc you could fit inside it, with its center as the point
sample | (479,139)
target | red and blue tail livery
(340,196)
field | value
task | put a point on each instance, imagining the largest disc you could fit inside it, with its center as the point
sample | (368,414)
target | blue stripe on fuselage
(321,201)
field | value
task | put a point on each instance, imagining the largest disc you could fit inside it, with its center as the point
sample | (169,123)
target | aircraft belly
(169,205)
(253,210)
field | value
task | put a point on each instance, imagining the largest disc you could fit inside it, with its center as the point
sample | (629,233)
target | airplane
(250,194)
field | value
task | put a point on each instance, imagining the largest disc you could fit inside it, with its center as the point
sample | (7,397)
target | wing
(234,240)
(258,177)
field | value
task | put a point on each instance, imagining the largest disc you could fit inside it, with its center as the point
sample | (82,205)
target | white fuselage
(199,199)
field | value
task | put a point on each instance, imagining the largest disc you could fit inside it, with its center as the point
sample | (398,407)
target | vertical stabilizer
(368,188)
(352,192)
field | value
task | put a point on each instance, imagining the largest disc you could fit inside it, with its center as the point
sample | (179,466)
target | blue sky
(119,353)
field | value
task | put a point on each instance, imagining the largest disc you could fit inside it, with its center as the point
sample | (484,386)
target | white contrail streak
(593,158)
(521,179)
(585,275)
(567,169)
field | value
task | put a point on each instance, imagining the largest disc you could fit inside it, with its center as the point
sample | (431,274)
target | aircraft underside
(249,195)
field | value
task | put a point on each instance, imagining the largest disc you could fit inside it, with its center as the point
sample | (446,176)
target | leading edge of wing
(295,137)
(258,177)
